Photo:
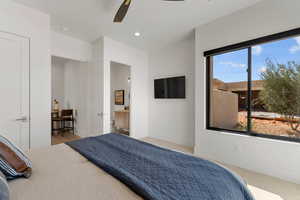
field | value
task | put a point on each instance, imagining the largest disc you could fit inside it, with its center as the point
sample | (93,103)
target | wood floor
(66,137)
(263,187)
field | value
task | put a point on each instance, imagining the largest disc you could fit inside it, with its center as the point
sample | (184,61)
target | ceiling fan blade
(122,11)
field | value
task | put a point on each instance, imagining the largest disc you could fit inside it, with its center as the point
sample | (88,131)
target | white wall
(18,19)
(58,82)
(119,75)
(272,157)
(173,119)
(98,103)
(138,61)
(71,48)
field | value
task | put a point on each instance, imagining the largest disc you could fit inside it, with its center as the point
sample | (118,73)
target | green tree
(281,93)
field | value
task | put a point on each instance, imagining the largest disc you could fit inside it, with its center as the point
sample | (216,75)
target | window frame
(235,47)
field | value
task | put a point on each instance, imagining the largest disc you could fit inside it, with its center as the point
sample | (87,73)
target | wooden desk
(122,119)
(56,122)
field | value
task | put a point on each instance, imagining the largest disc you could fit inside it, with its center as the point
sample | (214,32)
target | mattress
(60,173)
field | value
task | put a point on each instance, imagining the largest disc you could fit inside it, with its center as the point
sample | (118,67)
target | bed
(62,172)
(59,172)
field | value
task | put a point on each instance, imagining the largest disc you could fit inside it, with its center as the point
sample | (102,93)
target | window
(253,87)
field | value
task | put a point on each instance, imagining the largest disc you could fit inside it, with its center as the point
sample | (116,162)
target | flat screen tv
(169,88)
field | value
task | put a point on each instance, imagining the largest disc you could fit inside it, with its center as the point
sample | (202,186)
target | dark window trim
(249,92)
(208,86)
(249,43)
(244,45)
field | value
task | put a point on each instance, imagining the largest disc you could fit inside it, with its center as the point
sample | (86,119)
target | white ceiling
(159,22)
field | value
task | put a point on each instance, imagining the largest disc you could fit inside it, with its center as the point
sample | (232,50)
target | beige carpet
(263,187)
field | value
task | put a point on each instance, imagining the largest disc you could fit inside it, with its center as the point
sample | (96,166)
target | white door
(14,89)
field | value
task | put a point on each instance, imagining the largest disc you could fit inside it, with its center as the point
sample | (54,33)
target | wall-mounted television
(170,88)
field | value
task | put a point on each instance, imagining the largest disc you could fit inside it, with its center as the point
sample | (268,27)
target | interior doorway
(120,82)
(76,100)
(64,112)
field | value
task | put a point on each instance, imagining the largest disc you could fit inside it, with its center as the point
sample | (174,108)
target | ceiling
(159,22)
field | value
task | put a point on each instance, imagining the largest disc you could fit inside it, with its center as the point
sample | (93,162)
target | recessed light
(137,34)
(65,29)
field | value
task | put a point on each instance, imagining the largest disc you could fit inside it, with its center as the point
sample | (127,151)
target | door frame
(110,100)
(29,80)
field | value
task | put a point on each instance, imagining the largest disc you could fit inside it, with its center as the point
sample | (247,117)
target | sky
(232,67)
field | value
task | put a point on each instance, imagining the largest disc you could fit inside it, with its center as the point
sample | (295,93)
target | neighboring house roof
(237,86)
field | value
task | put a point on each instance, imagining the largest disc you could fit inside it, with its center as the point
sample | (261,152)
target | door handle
(21,119)
(100,114)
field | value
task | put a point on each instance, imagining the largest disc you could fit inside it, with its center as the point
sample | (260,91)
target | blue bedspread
(159,174)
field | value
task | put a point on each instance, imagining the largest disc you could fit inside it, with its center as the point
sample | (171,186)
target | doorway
(14,87)
(120,82)
(76,92)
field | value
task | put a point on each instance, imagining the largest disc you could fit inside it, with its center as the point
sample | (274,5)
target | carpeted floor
(262,186)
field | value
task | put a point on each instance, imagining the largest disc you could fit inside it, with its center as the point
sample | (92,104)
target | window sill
(256,135)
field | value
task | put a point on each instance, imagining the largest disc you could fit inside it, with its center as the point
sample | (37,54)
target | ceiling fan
(124,9)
